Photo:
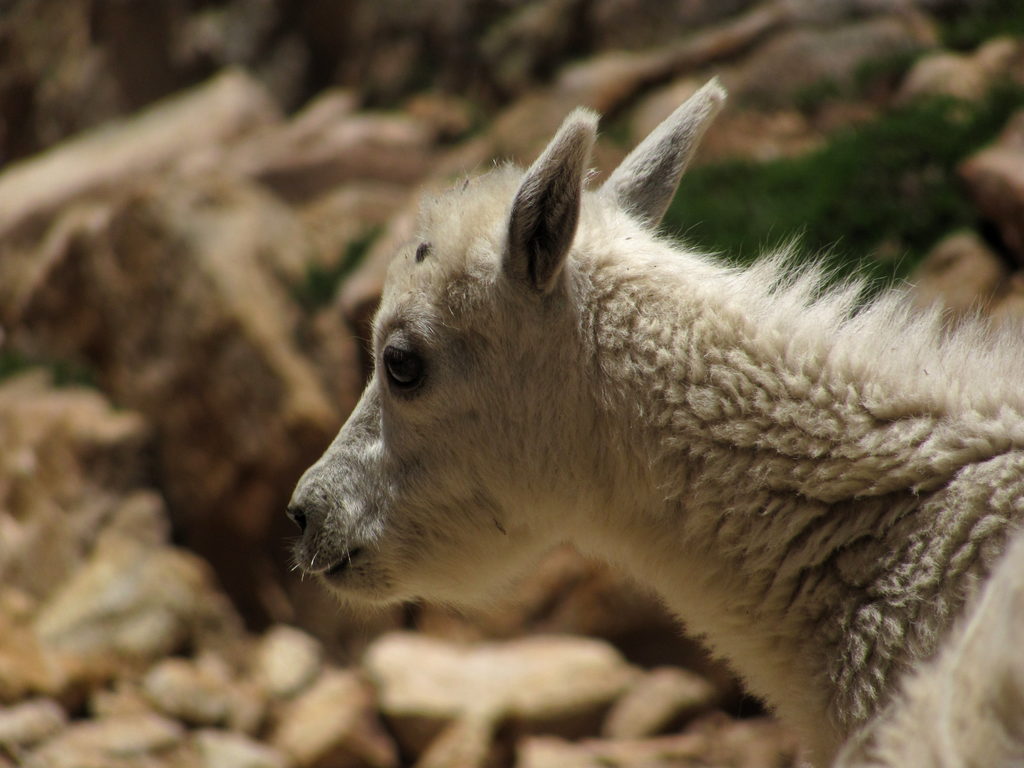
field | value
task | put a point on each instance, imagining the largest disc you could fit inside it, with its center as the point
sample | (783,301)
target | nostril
(297,516)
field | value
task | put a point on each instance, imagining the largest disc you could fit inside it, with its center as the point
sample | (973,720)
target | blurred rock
(327,144)
(204,693)
(964,76)
(962,273)
(195,120)
(995,179)
(179,295)
(796,60)
(287,660)
(716,742)
(537,684)
(113,742)
(1009,306)
(27,668)
(30,722)
(660,702)
(218,749)
(69,462)
(131,602)
(333,724)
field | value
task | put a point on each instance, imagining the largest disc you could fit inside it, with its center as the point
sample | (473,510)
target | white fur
(817,489)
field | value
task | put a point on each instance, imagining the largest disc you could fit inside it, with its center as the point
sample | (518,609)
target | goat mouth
(339,568)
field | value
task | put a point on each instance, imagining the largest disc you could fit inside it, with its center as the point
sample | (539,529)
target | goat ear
(645,182)
(546,208)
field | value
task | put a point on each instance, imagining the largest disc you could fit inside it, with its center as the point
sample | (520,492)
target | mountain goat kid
(822,490)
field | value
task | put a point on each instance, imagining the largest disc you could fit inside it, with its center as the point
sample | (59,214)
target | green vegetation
(887,189)
(321,283)
(984,20)
(65,373)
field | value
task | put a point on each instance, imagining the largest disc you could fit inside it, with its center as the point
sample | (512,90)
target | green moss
(875,198)
(985,19)
(321,283)
(65,373)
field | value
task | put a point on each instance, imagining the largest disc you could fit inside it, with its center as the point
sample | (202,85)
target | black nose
(297,516)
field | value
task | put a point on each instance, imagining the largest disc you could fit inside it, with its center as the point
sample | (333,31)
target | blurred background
(198,199)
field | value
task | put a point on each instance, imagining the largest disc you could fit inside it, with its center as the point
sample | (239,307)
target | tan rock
(328,144)
(806,57)
(129,603)
(995,179)
(333,725)
(660,702)
(203,693)
(27,667)
(717,742)
(111,742)
(213,113)
(287,661)
(962,273)
(535,684)
(68,459)
(963,76)
(218,749)
(30,722)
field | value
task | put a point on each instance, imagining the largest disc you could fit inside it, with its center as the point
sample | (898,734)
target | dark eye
(404,367)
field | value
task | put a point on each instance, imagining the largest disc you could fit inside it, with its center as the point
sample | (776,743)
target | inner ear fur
(646,181)
(546,208)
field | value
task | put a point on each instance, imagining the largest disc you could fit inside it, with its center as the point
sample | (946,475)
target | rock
(203,693)
(333,725)
(26,669)
(111,742)
(1009,307)
(532,685)
(962,273)
(963,76)
(660,702)
(30,722)
(327,144)
(215,360)
(130,603)
(211,114)
(803,58)
(218,749)
(69,462)
(995,179)
(287,661)
(716,741)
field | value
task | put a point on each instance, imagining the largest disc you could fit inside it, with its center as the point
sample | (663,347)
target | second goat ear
(546,208)
(645,182)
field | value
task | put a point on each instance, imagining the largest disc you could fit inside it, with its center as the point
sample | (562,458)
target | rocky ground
(196,206)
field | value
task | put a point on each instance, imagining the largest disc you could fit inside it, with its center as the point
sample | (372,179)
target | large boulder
(178,295)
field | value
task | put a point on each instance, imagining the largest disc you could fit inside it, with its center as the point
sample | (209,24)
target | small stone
(219,749)
(961,272)
(287,661)
(30,722)
(130,601)
(202,693)
(538,684)
(715,741)
(333,724)
(101,742)
(660,702)
(963,76)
